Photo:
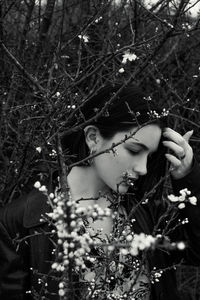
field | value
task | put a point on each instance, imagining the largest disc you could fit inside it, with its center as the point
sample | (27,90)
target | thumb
(188,135)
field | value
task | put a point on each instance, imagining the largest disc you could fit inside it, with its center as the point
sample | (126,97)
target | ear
(92,137)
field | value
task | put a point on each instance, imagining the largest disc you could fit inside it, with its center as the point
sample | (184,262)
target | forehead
(148,135)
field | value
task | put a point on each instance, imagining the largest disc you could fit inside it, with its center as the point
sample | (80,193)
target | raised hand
(182,156)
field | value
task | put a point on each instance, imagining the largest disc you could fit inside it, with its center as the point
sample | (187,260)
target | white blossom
(98,19)
(121,70)
(37,184)
(61,292)
(124,251)
(65,56)
(51,195)
(111,248)
(128,56)
(38,149)
(181,205)
(183,198)
(140,242)
(172,198)
(181,245)
(158,81)
(193,200)
(84,37)
(129,237)
(54,265)
(61,285)
(43,188)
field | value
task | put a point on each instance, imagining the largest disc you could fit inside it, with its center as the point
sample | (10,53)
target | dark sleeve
(13,269)
(192,212)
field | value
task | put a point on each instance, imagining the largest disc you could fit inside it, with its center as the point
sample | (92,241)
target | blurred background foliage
(56,54)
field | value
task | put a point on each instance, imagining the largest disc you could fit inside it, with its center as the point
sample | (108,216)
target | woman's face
(128,158)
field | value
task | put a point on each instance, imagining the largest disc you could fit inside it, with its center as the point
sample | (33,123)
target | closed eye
(134,151)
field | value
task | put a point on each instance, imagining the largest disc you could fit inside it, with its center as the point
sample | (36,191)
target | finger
(173,160)
(174,136)
(178,150)
(188,135)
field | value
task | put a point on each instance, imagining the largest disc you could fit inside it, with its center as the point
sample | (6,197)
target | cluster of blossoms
(168,24)
(128,178)
(75,240)
(164,112)
(53,153)
(127,56)
(138,242)
(98,19)
(41,188)
(71,106)
(132,243)
(84,249)
(155,115)
(155,275)
(141,242)
(186,26)
(183,198)
(84,38)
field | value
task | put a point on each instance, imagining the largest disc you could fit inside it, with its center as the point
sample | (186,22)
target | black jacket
(23,265)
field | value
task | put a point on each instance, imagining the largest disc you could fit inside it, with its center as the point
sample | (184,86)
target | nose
(140,166)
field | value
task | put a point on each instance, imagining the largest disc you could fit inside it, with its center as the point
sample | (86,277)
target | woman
(126,142)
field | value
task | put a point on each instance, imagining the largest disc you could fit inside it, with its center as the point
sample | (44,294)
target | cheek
(106,163)
(110,170)
(112,166)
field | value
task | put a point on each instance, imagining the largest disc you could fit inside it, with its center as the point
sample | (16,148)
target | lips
(129,179)
(132,178)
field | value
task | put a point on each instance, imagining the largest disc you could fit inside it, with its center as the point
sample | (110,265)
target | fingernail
(191,131)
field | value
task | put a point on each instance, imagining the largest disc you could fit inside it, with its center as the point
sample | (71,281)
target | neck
(85,184)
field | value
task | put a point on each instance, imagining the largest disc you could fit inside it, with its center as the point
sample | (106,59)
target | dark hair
(130,108)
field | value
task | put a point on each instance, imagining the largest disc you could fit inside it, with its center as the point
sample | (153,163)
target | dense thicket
(56,54)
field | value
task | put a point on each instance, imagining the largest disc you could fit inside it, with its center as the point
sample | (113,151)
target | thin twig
(22,69)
